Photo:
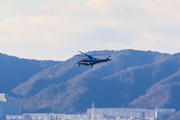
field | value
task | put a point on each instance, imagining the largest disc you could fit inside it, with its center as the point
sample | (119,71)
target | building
(131,113)
(46,116)
(9,105)
(1,113)
(98,114)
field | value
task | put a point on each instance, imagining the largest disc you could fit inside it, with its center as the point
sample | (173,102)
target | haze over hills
(140,79)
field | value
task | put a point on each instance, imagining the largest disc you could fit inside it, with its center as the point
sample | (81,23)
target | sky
(58,29)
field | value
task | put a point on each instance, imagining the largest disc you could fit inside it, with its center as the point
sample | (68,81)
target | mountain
(139,79)
(15,71)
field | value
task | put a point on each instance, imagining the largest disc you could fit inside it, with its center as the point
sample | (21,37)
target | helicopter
(89,60)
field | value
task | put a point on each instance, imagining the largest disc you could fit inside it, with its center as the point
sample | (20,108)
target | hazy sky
(58,29)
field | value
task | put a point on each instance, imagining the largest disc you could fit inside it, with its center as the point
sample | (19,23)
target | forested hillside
(139,79)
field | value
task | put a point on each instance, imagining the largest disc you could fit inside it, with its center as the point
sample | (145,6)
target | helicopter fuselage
(91,61)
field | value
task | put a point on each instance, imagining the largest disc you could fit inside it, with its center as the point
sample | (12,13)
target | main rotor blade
(85,54)
(98,55)
(80,55)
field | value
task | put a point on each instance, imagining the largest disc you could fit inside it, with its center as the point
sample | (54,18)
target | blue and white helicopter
(89,60)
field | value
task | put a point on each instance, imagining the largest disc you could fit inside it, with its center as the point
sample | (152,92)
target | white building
(3,97)
(128,113)
(46,116)
(98,114)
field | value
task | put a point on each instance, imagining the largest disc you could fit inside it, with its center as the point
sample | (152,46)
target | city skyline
(11,109)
